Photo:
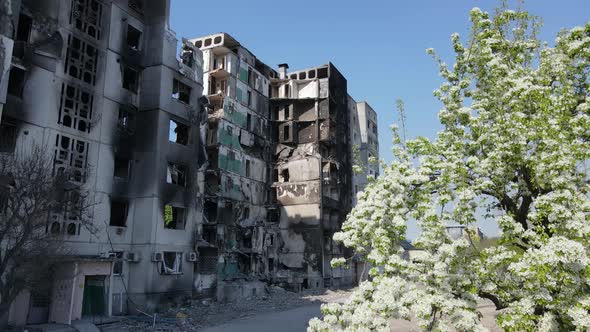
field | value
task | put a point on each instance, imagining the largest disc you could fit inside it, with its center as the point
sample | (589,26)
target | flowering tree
(516,134)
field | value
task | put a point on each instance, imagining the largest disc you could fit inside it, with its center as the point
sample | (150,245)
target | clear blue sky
(378,45)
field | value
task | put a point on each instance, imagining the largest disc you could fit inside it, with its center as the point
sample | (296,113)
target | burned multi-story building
(237,238)
(210,173)
(312,172)
(100,86)
(278,179)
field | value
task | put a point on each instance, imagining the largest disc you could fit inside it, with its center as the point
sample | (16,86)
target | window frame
(176,268)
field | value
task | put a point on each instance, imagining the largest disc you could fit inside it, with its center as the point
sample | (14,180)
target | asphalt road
(293,320)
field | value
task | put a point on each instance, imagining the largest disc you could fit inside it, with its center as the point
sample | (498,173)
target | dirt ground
(196,315)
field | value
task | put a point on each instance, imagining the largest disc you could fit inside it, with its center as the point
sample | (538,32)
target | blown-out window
(174,217)
(130,79)
(181,91)
(176,174)
(171,263)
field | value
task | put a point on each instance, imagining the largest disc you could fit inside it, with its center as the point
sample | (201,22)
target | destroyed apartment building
(212,174)
(99,84)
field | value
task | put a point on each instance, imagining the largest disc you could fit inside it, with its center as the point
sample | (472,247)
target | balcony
(219,73)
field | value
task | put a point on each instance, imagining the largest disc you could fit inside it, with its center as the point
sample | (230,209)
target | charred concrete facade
(278,176)
(237,239)
(211,173)
(312,172)
(101,86)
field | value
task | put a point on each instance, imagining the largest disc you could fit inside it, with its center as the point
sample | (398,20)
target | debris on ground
(197,314)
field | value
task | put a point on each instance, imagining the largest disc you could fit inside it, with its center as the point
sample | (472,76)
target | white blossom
(516,126)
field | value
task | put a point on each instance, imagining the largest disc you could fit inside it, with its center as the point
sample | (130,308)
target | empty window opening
(275,175)
(8,135)
(178,133)
(16,82)
(130,79)
(246,212)
(118,214)
(126,121)
(302,75)
(273,195)
(271,265)
(221,87)
(198,43)
(181,91)
(248,121)
(219,62)
(122,168)
(210,211)
(323,72)
(286,134)
(285,175)
(118,262)
(287,91)
(311,74)
(287,113)
(293,76)
(174,217)
(210,234)
(23,31)
(217,40)
(133,37)
(176,174)
(247,239)
(207,42)
(171,263)
(247,167)
(249,98)
(244,264)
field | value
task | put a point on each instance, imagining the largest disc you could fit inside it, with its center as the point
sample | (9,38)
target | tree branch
(497,302)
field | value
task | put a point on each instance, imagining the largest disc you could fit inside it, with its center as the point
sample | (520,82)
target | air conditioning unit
(157,257)
(132,257)
(191,256)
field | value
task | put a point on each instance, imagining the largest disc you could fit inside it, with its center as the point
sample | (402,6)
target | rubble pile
(197,314)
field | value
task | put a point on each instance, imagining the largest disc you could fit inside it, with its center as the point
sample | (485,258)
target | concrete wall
(44,113)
